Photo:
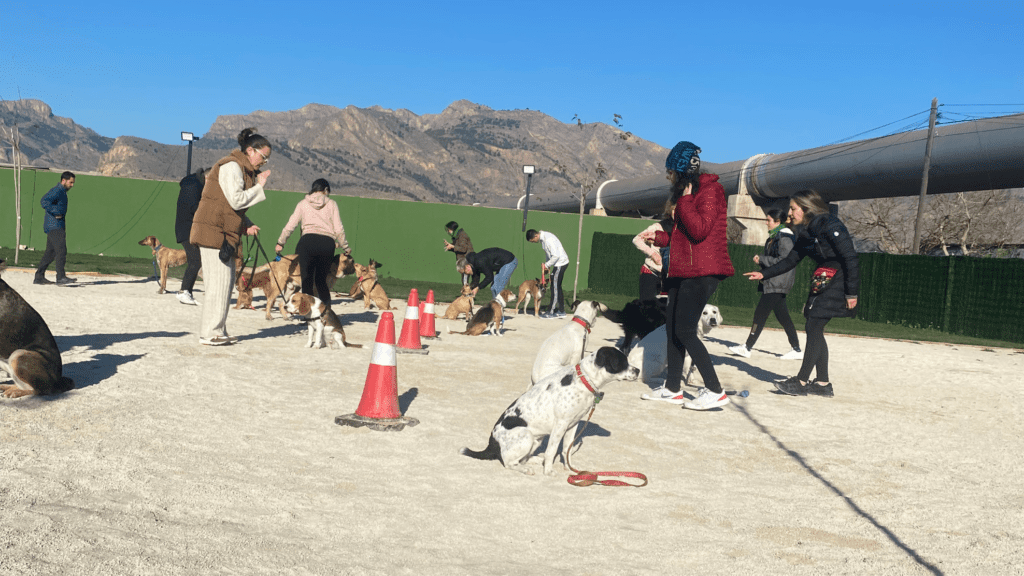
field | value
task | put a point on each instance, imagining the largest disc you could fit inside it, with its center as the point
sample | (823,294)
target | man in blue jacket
(55,204)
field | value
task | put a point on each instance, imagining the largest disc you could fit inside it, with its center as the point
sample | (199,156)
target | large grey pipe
(978,155)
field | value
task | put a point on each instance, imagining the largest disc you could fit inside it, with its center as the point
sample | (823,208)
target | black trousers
(188,280)
(557,296)
(766,305)
(686,300)
(650,286)
(56,251)
(816,354)
(315,252)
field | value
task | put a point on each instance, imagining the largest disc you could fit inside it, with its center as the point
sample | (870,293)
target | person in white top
(557,261)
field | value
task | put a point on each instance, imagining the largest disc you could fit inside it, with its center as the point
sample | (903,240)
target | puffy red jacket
(698,245)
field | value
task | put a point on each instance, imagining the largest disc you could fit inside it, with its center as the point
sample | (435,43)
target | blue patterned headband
(684,158)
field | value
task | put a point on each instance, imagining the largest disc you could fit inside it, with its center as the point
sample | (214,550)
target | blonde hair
(811,203)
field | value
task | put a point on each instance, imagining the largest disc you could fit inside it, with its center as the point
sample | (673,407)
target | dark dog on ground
(28,351)
(637,318)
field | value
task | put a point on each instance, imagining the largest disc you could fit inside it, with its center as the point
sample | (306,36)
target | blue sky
(736,78)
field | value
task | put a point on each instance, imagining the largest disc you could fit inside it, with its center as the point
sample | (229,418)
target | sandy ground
(175,458)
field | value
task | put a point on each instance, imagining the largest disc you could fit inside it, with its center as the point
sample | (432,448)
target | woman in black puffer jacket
(834,285)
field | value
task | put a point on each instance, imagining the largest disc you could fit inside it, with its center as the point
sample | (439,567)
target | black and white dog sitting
(550,408)
(28,351)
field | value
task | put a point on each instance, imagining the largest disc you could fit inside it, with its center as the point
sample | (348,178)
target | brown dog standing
(531,289)
(165,258)
(28,351)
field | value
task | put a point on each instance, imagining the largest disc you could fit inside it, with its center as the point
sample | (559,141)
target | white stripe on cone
(412,313)
(428,308)
(383,354)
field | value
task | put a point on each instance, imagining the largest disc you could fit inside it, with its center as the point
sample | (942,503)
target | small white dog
(650,354)
(551,408)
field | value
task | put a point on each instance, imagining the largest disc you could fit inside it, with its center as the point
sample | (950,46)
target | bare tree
(970,220)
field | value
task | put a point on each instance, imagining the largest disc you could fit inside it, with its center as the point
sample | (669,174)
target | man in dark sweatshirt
(496,265)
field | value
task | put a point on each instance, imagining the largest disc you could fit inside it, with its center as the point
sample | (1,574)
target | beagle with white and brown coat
(322,323)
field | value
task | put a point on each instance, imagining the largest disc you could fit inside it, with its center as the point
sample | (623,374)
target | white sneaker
(793,354)
(740,350)
(185,297)
(706,400)
(665,395)
(217,341)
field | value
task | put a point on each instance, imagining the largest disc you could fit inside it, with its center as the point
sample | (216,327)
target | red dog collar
(597,395)
(582,322)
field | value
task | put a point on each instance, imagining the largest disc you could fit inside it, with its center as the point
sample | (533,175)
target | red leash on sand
(586,478)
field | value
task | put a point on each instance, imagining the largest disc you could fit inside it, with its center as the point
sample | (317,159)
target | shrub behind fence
(980,297)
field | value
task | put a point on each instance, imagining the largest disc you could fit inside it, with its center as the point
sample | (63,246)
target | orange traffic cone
(409,341)
(427,329)
(378,408)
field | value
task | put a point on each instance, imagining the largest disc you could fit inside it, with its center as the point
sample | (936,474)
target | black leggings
(188,281)
(686,300)
(766,305)
(816,355)
(315,252)
(650,286)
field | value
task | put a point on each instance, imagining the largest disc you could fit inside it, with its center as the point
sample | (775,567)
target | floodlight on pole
(189,137)
(529,171)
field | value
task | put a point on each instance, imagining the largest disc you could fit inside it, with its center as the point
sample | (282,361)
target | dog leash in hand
(586,478)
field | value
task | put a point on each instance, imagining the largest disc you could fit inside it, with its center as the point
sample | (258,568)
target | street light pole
(189,137)
(528,170)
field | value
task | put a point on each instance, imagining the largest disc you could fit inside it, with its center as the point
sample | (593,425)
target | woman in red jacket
(698,261)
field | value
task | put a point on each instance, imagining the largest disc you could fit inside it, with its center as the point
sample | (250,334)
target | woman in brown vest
(233,185)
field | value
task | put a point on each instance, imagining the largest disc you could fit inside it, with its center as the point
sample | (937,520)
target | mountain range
(467,154)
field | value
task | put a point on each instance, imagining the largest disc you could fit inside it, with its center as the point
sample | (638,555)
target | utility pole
(924,180)
(16,161)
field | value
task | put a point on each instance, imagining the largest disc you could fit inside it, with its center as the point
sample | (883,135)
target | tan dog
(165,258)
(370,287)
(320,321)
(531,289)
(286,279)
(489,318)
(245,285)
(463,305)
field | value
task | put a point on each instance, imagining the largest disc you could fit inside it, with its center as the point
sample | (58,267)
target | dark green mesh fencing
(986,298)
(615,265)
(980,297)
(905,290)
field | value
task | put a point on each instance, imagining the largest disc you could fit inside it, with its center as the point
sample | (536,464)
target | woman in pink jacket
(322,232)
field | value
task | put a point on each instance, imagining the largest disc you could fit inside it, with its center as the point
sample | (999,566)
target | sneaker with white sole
(185,297)
(740,350)
(706,400)
(218,341)
(793,354)
(665,395)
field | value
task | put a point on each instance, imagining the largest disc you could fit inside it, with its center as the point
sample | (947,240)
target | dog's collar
(597,395)
(583,323)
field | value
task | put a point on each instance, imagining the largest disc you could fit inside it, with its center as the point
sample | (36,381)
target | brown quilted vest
(215,219)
